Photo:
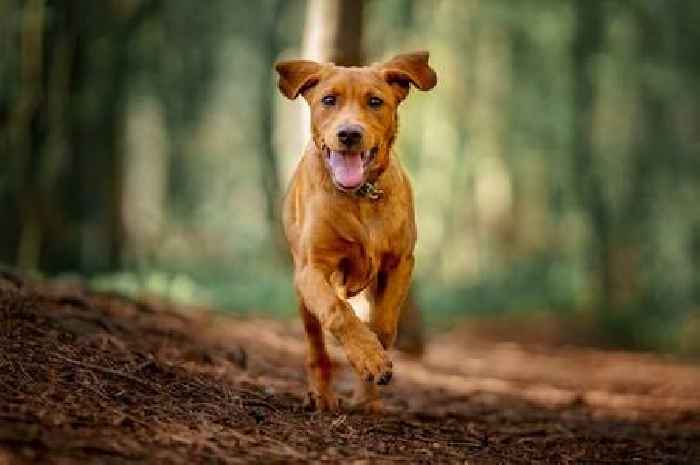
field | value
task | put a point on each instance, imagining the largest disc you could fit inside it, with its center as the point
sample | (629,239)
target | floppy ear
(296,76)
(409,68)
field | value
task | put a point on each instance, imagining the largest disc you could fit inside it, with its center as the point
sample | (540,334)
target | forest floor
(97,378)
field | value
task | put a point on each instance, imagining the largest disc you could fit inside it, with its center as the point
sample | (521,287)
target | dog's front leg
(362,348)
(390,290)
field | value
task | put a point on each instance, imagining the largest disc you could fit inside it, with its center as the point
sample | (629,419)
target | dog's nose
(350,134)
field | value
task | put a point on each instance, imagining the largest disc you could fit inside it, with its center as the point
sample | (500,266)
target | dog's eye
(375,102)
(328,100)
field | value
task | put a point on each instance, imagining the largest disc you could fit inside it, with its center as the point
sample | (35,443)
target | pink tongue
(347,167)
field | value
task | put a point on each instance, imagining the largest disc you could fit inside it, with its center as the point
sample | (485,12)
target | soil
(98,378)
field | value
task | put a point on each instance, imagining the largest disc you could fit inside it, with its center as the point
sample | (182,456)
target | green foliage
(530,285)
(240,291)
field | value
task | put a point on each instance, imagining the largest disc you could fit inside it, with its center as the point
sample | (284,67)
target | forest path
(89,377)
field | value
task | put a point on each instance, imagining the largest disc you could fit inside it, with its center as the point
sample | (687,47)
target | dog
(348,216)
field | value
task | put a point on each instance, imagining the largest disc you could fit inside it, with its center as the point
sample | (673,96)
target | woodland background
(144,147)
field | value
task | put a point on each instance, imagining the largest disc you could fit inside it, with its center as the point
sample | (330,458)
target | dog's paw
(318,402)
(369,359)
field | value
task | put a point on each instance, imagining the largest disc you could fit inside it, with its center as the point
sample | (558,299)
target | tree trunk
(588,37)
(23,134)
(269,167)
(334,31)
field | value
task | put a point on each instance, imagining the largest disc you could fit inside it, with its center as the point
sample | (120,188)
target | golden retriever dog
(348,216)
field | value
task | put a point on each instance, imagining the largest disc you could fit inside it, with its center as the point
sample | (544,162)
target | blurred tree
(20,135)
(586,45)
(334,31)
(182,60)
(269,168)
(70,58)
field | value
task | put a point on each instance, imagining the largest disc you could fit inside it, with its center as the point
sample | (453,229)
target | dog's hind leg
(391,290)
(319,367)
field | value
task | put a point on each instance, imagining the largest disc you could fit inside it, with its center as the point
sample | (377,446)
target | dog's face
(354,110)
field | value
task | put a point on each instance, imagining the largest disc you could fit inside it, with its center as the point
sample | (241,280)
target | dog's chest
(364,259)
(360,268)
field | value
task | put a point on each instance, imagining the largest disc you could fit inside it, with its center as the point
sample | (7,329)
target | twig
(105,370)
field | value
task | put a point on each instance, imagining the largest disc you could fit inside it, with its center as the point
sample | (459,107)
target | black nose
(350,134)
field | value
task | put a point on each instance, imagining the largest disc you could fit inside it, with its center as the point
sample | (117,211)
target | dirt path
(90,378)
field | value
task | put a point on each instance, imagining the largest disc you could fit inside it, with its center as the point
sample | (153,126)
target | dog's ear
(296,76)
(406,69)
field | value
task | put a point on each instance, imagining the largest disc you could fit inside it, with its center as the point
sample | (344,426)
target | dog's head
(354,110)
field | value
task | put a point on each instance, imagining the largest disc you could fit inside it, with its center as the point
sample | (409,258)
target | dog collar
(370,191)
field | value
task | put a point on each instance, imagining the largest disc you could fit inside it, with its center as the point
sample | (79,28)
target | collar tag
(370,191)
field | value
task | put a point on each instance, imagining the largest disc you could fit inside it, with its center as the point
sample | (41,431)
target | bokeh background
(144,148)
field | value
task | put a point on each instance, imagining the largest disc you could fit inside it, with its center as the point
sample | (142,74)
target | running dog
(348,215)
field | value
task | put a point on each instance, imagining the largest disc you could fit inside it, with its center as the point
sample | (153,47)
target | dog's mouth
(349,167)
